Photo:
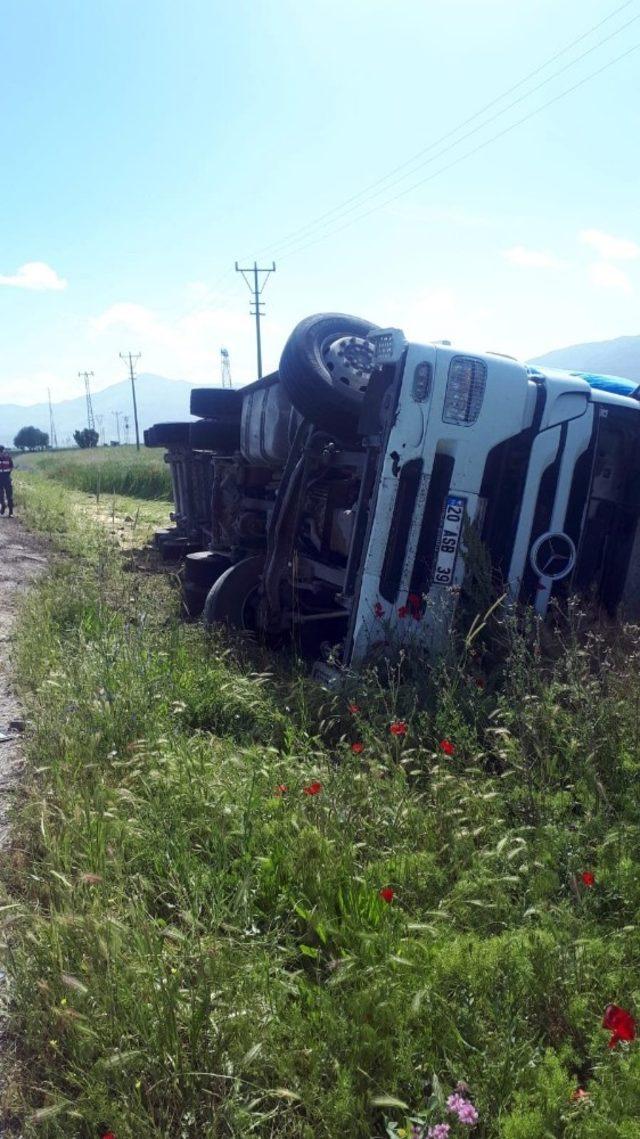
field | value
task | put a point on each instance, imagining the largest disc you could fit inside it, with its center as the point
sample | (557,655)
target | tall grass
(197,944)
(105,472)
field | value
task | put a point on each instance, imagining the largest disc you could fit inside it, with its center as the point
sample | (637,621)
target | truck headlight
(465,389)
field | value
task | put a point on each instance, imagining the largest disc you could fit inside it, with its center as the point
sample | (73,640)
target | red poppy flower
(357,748)
(415,600)
(313,789)
(378,609)
(399,728)
(578,1095)
(447,747)
(387,894)
(403,611)
(588,878)
(620,1023)
(353,708)
(280,790)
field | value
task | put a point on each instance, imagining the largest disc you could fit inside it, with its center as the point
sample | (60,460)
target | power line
(257,289)
(467,154)
(133,359)
(384,184)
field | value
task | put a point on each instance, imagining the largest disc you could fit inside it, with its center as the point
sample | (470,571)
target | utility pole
(125,421)
(53,439)
(117,415)
(225,367)
(257,290)
(99,423)
(91,423)
(133,359)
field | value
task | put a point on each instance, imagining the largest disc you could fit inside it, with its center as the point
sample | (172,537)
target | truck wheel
(325,368)
(170,434)
(210,403)
(230,599)
(204,568)
(221,434)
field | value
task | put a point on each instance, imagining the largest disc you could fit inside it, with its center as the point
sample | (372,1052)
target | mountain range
(158,398)
(619,357)
(161,399)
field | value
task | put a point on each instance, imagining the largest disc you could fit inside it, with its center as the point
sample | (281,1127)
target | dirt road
(21,560)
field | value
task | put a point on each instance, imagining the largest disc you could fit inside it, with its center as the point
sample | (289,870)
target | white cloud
(36,275)
(532,258)
(610,248)
(609,277)
(188,346)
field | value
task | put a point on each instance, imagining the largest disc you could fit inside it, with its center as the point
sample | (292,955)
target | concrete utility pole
(133,360)
(53,439)
(116,415)
(257,290)
(86,376)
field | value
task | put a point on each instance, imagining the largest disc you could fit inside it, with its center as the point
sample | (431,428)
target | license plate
(449,539)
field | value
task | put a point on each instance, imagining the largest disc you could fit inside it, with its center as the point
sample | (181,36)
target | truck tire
(229,597)
(170,434)
(210,403)
(204,568)
(313,380)
(220,434)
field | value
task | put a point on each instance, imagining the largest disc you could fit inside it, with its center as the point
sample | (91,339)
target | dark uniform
(6,489)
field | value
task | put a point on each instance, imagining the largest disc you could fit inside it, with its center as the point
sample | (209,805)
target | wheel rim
(348,361)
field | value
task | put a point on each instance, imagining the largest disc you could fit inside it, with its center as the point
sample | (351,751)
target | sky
(148,145)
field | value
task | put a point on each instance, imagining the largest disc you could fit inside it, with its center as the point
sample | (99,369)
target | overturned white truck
(342,486)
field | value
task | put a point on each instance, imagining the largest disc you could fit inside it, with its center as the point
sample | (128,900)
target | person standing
(6,488)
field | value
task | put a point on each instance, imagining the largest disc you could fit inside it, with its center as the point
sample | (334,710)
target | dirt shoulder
(22,558)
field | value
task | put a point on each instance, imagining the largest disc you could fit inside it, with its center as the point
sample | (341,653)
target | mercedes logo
(553,555)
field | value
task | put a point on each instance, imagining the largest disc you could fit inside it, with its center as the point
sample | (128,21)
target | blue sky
(147,144)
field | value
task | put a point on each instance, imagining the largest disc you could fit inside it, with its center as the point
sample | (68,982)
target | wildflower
(467,1114)
(313,788)
(398,728)
(414,600)
(440,1131)
(447,747)
(621,1024)
(588,878)
(353,708)
(387,894)
(357,748)
(463,1108)
(281,790)
(378,610)
(579,1095)
(403,612)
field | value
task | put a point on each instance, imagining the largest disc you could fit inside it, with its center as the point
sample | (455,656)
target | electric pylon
(91,423)
(53,438)
(225,367)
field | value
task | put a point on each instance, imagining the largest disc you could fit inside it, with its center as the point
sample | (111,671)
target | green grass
(104,471)
(194,954)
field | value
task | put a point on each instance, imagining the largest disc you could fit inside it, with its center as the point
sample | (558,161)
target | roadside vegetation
(237,905)
(105,471)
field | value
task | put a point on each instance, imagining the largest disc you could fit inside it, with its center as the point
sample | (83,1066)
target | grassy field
(238,906)
(105,471)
